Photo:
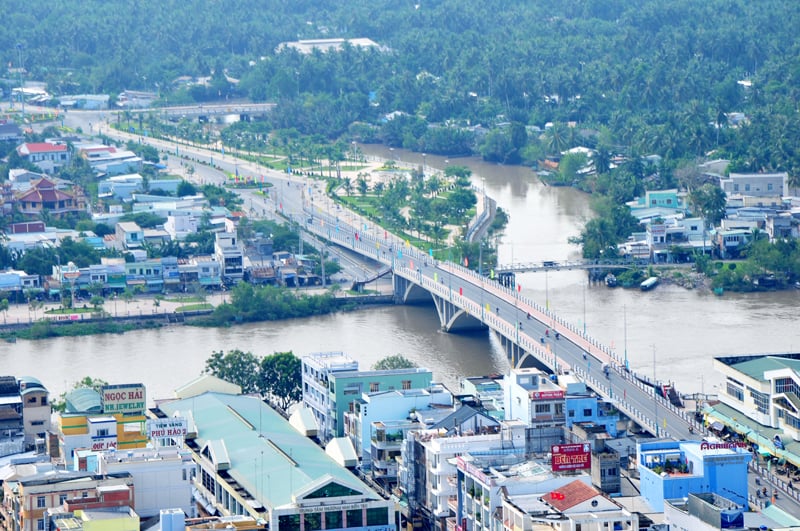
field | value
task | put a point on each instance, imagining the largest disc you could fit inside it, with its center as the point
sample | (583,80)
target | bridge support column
(514,352)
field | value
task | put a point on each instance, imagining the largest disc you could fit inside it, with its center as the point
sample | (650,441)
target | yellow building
(114,419)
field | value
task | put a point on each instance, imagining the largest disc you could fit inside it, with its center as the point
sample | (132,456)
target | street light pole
(655,391)
(584,309)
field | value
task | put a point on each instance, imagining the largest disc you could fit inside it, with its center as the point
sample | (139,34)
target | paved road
(507,312)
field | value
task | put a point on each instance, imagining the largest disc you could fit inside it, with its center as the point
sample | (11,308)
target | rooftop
(286,463)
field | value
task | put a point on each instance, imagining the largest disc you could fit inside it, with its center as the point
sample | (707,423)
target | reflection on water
(684,329)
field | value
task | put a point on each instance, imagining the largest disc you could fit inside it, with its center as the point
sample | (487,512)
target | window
(571,413)
(761,400)
(769,186)
(41,502)
(543,408)
(62,498)
(333,520)
(377,516)
(40,524)
(406,384)
(747,187)
(734,391)
(354,518)
(587,412)
(313,521)
(735,187)
(289,522)
(786,385)
(374,387)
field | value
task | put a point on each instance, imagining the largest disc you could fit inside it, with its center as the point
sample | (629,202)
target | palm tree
(556,138)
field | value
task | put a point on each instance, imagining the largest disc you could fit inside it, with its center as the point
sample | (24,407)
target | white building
(485,481)
(180,224)
(427,472)
(230,255)
(760,400)
(756,184)
(575,505)
(387,406)
(316,370)
(162,477)
(531,397)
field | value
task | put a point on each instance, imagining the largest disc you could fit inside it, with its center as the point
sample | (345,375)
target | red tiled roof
(43,190)
(571,495)
(45,195)
(44,147)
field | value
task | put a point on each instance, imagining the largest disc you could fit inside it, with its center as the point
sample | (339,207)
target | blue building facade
(674,469)
(589,409)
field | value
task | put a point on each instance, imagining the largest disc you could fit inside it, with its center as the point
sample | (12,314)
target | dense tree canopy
(276,377)
(662,77)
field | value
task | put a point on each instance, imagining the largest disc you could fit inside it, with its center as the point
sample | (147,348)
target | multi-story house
(765,185)
(531,397)
(230,255)
(44,196)
(26,500)
(575,505)
(48,156)
(24,414)
(483,481)
(389,406)
(95,421)
(673,469)
(163,477)
(129,235)
(427,470)
(331,381)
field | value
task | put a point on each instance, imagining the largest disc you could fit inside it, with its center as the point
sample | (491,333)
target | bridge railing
(386,250)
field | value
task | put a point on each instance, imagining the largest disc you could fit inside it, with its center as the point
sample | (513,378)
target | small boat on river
(649,284)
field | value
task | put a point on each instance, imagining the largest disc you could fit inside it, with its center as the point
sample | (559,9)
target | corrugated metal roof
(267,456)
(83,400)
(756,368)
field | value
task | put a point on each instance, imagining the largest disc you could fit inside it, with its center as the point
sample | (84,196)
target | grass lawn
(194,307)
(65,311)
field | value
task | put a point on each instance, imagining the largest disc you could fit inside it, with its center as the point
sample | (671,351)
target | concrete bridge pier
(407,292)
(514,352)
(455,319)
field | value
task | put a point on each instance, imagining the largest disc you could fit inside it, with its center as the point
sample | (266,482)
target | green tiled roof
(756,368)
(267,456)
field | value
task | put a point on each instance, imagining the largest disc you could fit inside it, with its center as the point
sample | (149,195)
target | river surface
(680,330)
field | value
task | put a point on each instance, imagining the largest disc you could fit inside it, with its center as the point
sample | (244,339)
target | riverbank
(112,317)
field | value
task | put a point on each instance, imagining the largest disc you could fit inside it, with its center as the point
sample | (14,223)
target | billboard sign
(546,395)
(169,427)
(124,398)
(571,457)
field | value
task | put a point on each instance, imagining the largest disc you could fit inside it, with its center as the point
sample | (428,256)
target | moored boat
(649,284)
